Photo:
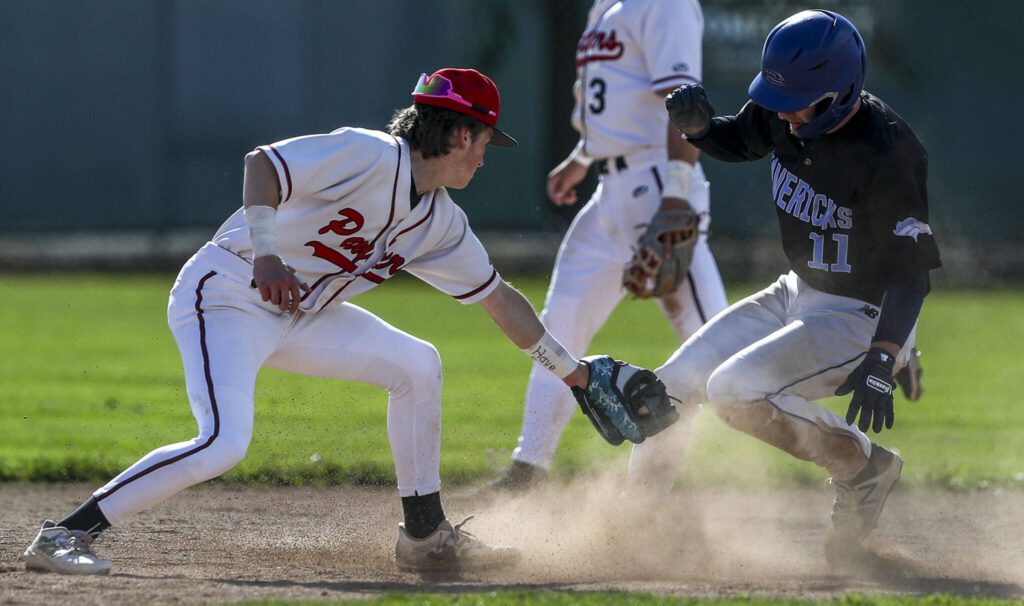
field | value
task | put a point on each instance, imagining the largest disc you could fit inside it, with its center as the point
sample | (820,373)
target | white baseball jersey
(629,51)
(346,222)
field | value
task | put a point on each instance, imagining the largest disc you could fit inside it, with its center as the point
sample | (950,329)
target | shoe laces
(845,500)
(77,542)
(460,532)
(461,539)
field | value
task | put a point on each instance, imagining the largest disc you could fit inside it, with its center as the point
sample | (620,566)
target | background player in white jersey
(629,57)
(849,185)
(324,218)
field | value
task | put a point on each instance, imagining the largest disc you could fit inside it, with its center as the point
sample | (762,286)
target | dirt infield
(224,544)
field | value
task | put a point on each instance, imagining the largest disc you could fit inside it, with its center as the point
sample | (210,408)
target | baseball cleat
(859,502)
(909,377)
(520,477)
(57,549)
(450,549)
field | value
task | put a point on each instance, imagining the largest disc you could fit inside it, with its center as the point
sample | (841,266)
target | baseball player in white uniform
(630,56)
(326,217)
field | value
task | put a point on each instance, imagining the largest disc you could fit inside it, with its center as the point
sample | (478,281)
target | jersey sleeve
(901,191)
(741,138)
(457,264)
(310,164)
(671,32)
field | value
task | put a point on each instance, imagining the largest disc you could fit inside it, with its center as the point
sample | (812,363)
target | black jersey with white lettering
(852,205)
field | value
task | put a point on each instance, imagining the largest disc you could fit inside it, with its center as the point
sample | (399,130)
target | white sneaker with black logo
(57,549)
(450,549)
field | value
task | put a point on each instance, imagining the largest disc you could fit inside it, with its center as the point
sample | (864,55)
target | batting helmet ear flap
(845,99)
(812,57)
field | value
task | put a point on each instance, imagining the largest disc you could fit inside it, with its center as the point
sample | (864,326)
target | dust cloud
(752,536)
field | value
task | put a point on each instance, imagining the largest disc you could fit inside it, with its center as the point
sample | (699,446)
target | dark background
(128,116)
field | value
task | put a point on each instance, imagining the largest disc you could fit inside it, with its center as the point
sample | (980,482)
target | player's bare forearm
(275,280)
(562,181)
(679,148)
(578,377)
(260,187)
(514,315)
(676,183)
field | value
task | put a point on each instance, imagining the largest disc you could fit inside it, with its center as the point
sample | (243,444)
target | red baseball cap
(466,91)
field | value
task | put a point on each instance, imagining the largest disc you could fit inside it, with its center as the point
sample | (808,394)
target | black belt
(602,165)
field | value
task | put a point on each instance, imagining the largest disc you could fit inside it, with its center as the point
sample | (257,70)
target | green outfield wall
(136,114)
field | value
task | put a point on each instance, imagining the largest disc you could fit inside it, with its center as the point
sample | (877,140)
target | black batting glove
(872,385)
(690,110)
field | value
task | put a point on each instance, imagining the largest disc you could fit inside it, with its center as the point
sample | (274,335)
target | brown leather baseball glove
(663,254)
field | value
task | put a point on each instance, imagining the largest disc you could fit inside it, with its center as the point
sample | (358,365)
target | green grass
(92,380)
(548,598)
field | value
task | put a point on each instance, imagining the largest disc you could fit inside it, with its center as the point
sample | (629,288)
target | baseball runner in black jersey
(848,180)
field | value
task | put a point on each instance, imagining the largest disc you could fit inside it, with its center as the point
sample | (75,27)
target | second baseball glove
(658,267)
(624,402)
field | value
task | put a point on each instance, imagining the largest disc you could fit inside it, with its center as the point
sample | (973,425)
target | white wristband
(580,157)
(262,221)
(550,354)
(678,177)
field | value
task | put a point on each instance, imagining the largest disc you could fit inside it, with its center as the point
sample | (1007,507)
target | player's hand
(690,110)
(277,282)
(562,182)
(872,385)
(578,377)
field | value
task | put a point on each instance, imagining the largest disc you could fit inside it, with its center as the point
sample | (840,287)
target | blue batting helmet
(815,57)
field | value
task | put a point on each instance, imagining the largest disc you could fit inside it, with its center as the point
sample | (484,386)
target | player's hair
(429,129)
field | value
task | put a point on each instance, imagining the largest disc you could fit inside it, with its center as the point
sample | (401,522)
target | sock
(87,517)
(423,514)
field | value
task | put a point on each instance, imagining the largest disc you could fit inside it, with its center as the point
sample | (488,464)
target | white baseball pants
(225,333)
(760,365)
(586,286)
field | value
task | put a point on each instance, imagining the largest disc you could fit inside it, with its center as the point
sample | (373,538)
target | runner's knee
(729,387)
(685,374)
